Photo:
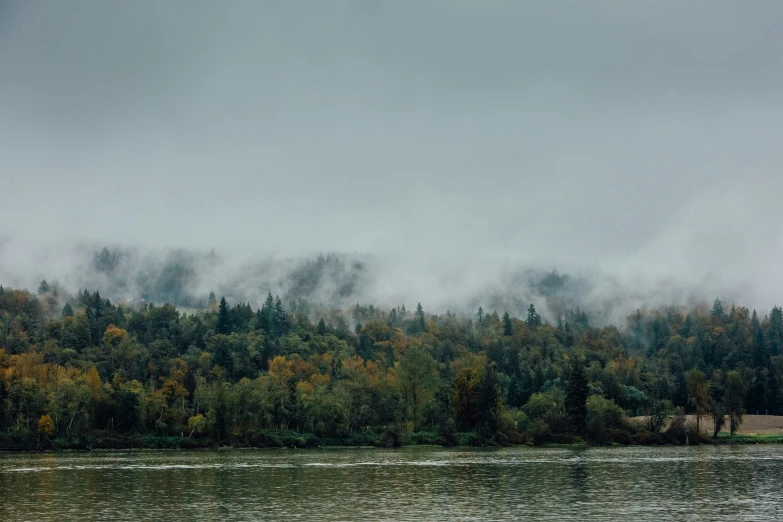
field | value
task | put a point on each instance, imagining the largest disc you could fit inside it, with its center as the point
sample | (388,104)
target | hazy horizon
(450,142)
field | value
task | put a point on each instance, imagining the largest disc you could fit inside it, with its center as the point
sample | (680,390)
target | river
(421,483)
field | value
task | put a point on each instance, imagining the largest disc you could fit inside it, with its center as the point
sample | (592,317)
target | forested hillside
(85,372)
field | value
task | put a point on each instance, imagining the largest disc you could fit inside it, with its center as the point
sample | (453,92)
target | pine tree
(421,326)
(576,397)
(489,403)
(480,318)
(222,355)
(44,288)
(393,317)
(687,325)
(507,327)
(281,324)
(717,309)
(568,335)
(760,352)
(533,319)
(265,316)
(67,310)
(775,336)
(514,397)
(321,329)
(223,324)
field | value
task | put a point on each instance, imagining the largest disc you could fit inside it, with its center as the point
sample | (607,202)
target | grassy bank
(763,438)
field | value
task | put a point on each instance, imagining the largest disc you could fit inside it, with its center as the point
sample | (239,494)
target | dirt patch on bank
(751,424)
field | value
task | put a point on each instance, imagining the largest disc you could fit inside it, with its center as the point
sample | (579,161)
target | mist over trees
(190,279)
(83,370)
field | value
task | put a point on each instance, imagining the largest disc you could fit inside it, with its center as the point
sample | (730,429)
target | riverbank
(292,439)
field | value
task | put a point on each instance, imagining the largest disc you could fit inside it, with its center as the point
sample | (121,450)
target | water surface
(634,483)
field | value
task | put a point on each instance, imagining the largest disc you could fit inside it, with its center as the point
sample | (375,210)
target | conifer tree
(576,397)
(223,324)
(717,309)
(533,319)
(44,287)
(265,316)
(480,318)
(489,403)
(420,323)
(281,324)
(507,327)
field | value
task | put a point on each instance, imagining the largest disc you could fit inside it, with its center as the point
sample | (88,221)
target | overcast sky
(631,136)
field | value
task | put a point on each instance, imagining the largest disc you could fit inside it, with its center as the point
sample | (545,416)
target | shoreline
(167,444)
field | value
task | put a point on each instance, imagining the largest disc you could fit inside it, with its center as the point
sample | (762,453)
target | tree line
(81,371)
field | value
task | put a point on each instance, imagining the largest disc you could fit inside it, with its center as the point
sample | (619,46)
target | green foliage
(697,394)
(223,323)
(489,404)
(658,412)
(533,319)
(736,390)
(576,397)
(604,419)
(151,376)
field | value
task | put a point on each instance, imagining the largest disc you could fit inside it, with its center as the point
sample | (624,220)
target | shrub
(604,418)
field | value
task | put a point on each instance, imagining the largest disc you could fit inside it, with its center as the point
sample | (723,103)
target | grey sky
(631,136)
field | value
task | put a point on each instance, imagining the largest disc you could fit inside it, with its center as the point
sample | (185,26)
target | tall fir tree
(507,327)
(281,325)
(576,397)
(489,403)
(421,326)
(533,319)
(223,324)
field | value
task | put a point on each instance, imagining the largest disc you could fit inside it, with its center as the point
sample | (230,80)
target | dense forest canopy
(78,370)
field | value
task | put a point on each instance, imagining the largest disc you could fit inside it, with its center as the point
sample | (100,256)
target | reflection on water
(669,483)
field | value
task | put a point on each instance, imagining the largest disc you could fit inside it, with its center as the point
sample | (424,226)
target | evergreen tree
(489,403)
(341,329)
(223,324)
(281,324)
(576,397)
(44,287)
(760,352)
(568,335)
(687,325)
(321,329)
(717,309)
(265,317)
(480,319)
(514,397)
(105,261)
(533,319)
(67,310)
(421,326)
(775,336)
(507,327)
(222,355)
